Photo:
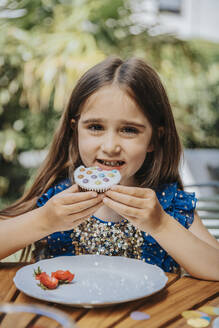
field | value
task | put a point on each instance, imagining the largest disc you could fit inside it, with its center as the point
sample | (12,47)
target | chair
(208,205)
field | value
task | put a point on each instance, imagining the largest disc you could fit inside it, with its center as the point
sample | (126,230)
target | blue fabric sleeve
(53,191)
(178,203)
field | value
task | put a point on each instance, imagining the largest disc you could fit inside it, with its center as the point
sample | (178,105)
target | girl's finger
(68,191)
(134,191)
(81,206)
(72,188)
(122,209)
(77,197)
(86,213)
(126,199)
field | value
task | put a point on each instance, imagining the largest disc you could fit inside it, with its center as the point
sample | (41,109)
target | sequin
(109,239)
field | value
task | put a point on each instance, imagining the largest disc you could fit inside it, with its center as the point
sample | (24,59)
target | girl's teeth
(109,163)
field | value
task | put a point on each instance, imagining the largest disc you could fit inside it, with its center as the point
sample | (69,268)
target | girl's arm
(64,211)
(195,249)
(198,229)
(21,231)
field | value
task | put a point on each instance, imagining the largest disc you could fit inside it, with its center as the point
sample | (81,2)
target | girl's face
(113,133)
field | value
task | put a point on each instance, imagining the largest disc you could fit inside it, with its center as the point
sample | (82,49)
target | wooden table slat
(45,322)
(75,313)
(21,319)
(7,286)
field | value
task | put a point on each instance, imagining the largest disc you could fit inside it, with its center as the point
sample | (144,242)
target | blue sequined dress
(95,236)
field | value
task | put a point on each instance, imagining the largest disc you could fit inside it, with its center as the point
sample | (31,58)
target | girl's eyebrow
(133,123)
(92,120)
(99,120)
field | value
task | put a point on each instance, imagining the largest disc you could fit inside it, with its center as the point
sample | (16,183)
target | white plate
(99,280)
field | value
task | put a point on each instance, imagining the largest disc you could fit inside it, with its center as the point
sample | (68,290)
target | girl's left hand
(138,205)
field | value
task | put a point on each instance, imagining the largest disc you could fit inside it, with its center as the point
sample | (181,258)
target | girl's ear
(72,123)
(150,147)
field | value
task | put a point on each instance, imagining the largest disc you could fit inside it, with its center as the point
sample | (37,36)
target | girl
(118,117)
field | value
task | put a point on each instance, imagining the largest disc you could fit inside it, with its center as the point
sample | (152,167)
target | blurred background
(45,46)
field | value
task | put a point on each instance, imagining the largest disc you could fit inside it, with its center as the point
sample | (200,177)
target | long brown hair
(143,84)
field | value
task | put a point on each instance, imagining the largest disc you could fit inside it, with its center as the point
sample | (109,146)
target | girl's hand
(69,208)
(138,205)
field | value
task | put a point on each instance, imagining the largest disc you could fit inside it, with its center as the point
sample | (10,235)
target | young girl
(118,117)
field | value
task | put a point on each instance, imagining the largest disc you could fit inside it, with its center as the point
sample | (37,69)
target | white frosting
(95,178)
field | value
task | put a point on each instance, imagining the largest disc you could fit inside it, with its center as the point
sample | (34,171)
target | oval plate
(99,280)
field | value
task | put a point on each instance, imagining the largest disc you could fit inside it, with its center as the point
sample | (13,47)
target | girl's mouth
(110,165)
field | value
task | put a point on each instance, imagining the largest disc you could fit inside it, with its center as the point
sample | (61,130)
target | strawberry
(51,282)
(47,282)
(63,276)
(37,273)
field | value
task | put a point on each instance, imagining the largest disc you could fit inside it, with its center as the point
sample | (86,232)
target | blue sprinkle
(206,318)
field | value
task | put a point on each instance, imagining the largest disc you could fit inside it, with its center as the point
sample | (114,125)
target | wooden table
(164,308)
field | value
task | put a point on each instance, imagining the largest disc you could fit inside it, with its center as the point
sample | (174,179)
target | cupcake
(95,178)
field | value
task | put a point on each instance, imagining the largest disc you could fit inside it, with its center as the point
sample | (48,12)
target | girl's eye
(95,127)
(130,130)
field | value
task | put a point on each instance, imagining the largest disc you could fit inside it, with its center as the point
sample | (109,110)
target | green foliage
(50,43)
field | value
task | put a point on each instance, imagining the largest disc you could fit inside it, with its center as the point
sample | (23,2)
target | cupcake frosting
(95,178)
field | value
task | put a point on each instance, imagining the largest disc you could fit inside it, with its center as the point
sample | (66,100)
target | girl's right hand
(69,208)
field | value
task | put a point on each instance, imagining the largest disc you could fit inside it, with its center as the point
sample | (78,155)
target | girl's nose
(111,145)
